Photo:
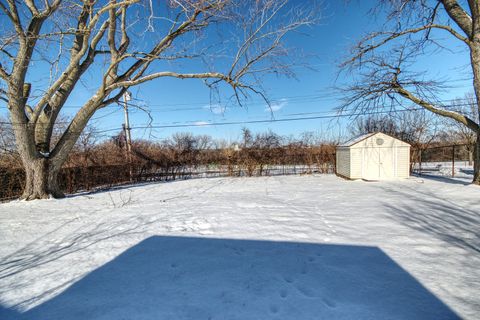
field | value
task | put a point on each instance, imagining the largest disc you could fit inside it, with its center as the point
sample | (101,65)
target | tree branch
(461,18)
(206,75)
(12,13)
(430,107)
(4,74)
(394,35)
(142,65)
(31,6)
(75,59)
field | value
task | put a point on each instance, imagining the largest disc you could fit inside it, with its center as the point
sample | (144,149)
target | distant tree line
(95,162)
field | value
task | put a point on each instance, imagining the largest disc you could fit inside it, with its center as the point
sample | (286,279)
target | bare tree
(7,144)
(125,43)
(417,128)
(461,133)
(85,145)
(374,123)
(384,61)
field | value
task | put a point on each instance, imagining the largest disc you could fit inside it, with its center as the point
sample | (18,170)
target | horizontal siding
(403,162)
(343,162)
(356,162)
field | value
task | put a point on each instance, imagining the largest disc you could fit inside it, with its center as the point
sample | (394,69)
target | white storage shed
(373,156)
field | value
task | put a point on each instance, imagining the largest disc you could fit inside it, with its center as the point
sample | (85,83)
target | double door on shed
(378,163)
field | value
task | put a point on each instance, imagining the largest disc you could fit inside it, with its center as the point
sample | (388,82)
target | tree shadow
(131,186)
(39,251)
(467,171)
(201,278)
(106,189)
(438,217)
(464,181)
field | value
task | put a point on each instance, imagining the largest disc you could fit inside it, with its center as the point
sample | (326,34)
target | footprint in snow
(329,303)
(307,292)
(274,309)
(283,293)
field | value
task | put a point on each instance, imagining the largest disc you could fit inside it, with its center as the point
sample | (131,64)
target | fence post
(420,162)
(453,161)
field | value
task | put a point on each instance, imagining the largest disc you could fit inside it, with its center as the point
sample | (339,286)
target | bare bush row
(96,165)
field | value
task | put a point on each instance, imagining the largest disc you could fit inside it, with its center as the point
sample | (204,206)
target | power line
(185,125)
(206,124)
(307,113)
(206,105)
(197,103)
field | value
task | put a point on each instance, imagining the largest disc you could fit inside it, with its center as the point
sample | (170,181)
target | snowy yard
(296,247)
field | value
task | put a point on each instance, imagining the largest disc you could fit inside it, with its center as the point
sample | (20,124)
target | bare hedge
(107,165)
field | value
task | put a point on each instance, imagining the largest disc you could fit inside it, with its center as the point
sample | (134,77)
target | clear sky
(175,102)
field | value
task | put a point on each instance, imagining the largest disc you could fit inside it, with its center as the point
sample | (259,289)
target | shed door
(378,163)
(386,163)
(371,163)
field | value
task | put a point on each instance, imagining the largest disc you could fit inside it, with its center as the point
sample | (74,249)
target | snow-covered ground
(286,247)
(461,169)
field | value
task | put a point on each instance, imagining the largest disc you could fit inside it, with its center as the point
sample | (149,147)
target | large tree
(385,62)
(124,43)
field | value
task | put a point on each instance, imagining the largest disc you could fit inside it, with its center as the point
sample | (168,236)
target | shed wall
(403,162)
(343,162)
(356,156)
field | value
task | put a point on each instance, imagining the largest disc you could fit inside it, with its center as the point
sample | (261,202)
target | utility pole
(128,138)
(127,97)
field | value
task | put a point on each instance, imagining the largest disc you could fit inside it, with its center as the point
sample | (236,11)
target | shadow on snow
(438,216)
(464,181)
(201,278)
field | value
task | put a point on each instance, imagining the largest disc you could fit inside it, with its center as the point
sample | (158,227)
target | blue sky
(187,102)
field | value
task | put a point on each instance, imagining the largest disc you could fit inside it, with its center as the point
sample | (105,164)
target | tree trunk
(36,173)
(476,162)
(41,180)
(53,184)
(475,61)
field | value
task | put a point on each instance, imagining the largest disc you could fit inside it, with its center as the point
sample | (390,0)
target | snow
(462,169)
(284,247)
(357,139)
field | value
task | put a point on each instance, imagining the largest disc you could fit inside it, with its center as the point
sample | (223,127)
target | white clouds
(216,108)
(201,123)
(277,105)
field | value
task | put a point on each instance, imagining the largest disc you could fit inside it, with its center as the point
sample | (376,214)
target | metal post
(453,161)
(420,163)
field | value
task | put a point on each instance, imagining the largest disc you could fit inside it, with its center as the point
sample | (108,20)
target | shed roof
(362,137)
(357,139)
